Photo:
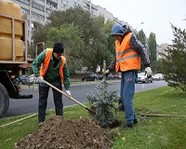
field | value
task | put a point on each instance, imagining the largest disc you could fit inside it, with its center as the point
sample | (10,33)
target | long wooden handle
(162,115)
(70,97)
(18,120)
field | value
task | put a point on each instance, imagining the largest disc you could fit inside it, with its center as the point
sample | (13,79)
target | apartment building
(161,49)
(39,10)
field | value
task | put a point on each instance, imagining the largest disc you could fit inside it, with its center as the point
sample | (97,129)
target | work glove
(148,71)
(68,93)
(40,79)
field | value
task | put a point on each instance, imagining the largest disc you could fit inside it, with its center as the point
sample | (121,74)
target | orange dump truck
(13,52)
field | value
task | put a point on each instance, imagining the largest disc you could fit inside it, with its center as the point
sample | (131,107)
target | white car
(158,76)
(142,77)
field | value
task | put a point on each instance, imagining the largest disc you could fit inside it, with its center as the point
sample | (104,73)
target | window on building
(27,2)
(38,6)
(38,16)
(51,4)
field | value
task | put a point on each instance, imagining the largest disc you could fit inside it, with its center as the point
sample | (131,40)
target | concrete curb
(73,83)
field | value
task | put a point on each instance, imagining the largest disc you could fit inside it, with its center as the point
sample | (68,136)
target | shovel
(70,97)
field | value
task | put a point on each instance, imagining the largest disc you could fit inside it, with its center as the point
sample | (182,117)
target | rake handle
(70,97)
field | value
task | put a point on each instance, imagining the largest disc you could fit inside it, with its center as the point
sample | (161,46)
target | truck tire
(4,100)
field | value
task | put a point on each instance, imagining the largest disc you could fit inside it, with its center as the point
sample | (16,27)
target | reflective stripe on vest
(126,57)
(46,62)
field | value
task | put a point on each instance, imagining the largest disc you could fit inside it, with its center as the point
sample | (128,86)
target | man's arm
(139,47)
(66,77)
(37,63)
(112,64)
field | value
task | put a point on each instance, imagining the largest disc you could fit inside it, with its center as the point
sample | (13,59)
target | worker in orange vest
(129,53)
(50,65)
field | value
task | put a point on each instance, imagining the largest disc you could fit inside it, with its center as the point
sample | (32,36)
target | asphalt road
(78,90)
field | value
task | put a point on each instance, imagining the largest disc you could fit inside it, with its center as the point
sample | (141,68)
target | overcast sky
(156,15)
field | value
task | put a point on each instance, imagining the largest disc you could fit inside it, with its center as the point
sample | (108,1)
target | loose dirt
(58,133)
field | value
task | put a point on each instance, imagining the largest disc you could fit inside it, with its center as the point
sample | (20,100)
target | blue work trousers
(127,94)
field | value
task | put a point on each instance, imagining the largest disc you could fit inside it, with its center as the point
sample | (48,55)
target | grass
(149,133)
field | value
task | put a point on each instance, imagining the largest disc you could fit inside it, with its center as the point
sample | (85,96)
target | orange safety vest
(126,57)
(46,62)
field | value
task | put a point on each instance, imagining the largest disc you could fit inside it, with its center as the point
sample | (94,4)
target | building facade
(161,50)
(39,10)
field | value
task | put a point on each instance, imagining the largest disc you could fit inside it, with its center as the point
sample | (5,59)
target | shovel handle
(70,97)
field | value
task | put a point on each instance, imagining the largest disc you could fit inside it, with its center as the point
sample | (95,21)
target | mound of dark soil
(58,133)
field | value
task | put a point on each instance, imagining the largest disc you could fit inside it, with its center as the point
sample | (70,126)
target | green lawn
(149,133)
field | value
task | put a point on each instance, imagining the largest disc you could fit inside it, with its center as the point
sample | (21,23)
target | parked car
(117,76)
(100,76)
(21,79)
(90,77)
(110,77)
(158,76)
(142,78)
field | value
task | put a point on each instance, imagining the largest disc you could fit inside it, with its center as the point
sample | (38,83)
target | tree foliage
(152,47)
(174,61)
(90,31)
(70,35)
(142,37)
(104,102)
(156,67)
(39,32)
(110,47)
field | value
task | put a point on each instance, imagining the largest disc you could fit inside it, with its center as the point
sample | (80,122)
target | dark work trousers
(43,95)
